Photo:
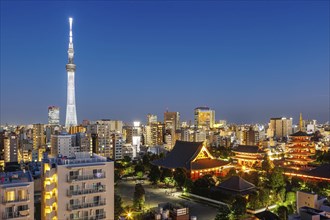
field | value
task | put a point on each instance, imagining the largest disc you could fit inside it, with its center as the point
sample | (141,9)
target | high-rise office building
(64,145)
(53,115)
(172,120)
(101,132)
(204,117)
(250,136)
(11,147)
(151,119)
(71,114)
(80,188)
(17,194)
(282,127)
(172,124)
(117,145)
(39,141)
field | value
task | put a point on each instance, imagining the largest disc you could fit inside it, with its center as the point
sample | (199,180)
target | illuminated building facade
(282,127)
(172,124)
(79,188)
(248,156)
(17,196)
(71,114)
(300,149)
(64,145)
(204,117)
(39,141)
(10,142)
(53,115)
(194,157)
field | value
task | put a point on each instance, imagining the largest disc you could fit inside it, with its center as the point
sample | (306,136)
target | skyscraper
(204,117)
(71,115)
(53,115)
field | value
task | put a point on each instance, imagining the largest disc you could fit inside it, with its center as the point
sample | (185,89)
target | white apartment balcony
(50,201)
(16,200)
(16,215)
(50,187)
(50,172)
(86,191)
(86,177)
(91,217)
(51,215)
(86,205)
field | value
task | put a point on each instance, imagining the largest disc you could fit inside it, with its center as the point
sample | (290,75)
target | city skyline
(146,61)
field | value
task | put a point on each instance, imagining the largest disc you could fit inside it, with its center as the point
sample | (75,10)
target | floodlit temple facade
(195,158)
(248,155)
(299,150)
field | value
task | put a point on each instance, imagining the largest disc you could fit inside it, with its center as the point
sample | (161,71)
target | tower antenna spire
(71,114)
(70,21)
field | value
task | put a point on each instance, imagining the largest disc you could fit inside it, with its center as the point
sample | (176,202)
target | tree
(223,213)
(230,173)
(118,206)
(139,196)
(165,173)
(290,198)
(205,181)
(154,174)
(276,179)
(180,177)
(188,185)
(239,206)
(282,212)
(254,201)
(127,159)
(139,169)
(267,165)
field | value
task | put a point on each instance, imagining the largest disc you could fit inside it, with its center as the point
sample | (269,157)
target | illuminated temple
(194,158)
(300,149)
(248,155)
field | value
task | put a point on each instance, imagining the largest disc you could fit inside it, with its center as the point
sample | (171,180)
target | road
(154,196)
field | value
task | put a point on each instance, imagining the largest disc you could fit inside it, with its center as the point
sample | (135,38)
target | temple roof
(321,171)
(182,156)
(207,164)
(299,134)
(237,184)
(248,149)
(267,215)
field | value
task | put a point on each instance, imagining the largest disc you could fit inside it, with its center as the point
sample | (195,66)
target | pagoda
(299,150)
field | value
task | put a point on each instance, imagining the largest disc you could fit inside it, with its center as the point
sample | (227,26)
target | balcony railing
(25,199)
(86,205)
(50,172)
(50,187)
(50,201)
(93,217)
(86,191)
(18,214)
(86,177)
(51,215)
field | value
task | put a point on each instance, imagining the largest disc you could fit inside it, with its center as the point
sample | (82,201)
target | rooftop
(300,134)
(248,149)
(80,158)
(237,184)
(15,177)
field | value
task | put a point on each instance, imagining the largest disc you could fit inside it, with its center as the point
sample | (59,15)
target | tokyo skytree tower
(71,114)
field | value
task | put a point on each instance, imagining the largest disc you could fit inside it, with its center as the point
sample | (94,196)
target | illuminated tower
(71,115)
(301,123)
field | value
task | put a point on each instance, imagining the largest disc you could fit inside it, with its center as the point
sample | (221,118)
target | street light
(129,215)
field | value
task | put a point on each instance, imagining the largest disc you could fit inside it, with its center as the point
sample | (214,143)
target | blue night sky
(248,60)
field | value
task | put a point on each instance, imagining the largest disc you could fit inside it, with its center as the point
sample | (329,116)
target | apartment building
(17,196)
(80,188)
